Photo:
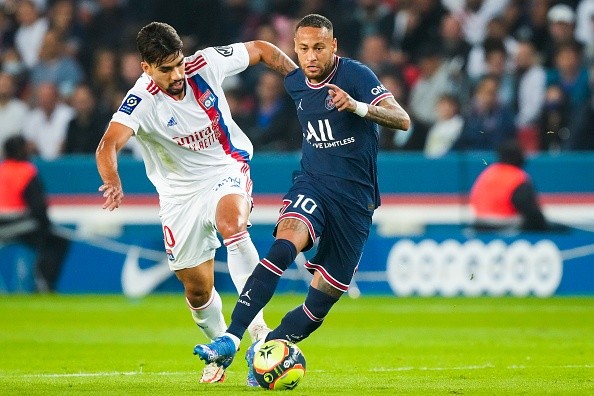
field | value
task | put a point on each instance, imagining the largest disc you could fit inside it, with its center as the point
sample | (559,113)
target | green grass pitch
(109,345)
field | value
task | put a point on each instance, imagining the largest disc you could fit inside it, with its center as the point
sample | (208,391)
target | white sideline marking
(379,369)
(479,367)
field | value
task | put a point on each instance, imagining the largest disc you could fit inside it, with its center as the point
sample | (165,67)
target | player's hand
(113,194)
(341,99)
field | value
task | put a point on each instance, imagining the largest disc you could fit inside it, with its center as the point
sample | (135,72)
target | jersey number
(308,205)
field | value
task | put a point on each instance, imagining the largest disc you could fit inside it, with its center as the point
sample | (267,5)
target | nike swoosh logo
(138,282)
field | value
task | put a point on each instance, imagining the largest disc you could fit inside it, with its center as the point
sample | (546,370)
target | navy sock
(299,323)
(260,286)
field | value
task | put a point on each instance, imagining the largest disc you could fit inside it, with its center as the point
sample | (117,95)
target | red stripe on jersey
(327,79)
(381,97)
(196,65)
(338,285)
(152,88)
(271,267)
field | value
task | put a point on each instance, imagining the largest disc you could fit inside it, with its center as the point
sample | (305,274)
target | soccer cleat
(220,351)
(249,357)
(258,331)
(212,373)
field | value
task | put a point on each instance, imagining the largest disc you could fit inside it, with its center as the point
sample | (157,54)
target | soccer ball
(279,365)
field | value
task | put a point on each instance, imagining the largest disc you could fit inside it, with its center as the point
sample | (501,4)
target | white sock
(242,258)
(209,317)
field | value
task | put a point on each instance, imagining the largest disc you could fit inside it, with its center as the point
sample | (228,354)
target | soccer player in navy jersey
(339,103)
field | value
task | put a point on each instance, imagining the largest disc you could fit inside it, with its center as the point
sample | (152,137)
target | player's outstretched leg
(221,351)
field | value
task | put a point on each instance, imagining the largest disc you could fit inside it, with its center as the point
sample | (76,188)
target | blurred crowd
(471,73)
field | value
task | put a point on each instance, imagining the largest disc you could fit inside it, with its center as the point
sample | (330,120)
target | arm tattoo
(390,117)
(281,63)
(293,224)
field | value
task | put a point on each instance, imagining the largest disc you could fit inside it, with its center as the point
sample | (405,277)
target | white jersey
(187,142)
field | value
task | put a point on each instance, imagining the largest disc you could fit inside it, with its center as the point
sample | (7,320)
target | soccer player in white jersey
(198,160)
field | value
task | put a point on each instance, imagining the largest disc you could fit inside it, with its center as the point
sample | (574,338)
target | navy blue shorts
(339,230)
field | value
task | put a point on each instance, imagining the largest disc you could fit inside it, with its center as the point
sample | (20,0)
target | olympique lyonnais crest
(207,99)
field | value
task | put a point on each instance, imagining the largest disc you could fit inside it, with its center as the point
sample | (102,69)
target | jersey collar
(327,79)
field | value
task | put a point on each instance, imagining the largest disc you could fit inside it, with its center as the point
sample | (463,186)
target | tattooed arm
(272,56)
(387,112)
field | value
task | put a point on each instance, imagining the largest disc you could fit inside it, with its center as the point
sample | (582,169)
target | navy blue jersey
(340,146)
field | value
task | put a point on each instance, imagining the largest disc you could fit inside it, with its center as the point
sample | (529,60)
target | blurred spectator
(30,32)
(393,139)
(445,132)
(554,123)
(129,69)
(503,196)
(574,78)
(55,66)
(109,28)
(475,16)
(13,111)
(200,23)
(275,125)
(453,46)
(529,100)
(497,36)
(7,30)
(374,53)
(415,25)
(488,123)
(86,128)
(62,19)
(13,65)
(496,64)
(103,77)
(561,27)
(584,28)
(368,17)
(23,214)
(435,80)
(45,128)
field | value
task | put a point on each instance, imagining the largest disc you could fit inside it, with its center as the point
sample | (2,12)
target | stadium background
(422,222)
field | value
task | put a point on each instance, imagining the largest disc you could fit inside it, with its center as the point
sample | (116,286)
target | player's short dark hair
(158,41)
(15,148)
(316,21)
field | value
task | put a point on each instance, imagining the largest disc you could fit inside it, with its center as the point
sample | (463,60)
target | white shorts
(189,228)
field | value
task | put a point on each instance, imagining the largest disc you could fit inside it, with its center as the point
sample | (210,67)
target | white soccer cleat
(212,373)
(258,332)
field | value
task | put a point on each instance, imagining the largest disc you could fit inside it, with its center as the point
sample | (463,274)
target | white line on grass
(378,369)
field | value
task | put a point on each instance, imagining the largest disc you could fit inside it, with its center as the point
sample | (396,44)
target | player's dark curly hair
(316,21)
(157,42)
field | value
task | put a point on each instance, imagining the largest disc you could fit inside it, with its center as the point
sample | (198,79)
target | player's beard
(176,91)
(323,71)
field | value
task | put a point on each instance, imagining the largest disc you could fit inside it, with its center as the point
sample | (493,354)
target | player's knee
(198,296)
(230,227)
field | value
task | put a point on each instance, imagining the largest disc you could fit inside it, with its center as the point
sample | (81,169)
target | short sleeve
(227,60)
(131,110)
(367,87)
